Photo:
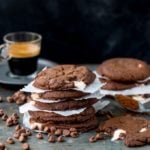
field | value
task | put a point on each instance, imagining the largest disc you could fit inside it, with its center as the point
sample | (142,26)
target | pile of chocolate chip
(10,120)
(20,134)
(18,97)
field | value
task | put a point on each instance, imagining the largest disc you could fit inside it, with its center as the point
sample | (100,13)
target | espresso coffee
(23,58)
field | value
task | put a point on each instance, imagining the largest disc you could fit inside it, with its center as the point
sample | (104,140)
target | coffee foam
(23,50)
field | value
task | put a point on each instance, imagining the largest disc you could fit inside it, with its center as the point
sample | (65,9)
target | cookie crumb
(10,140)
(52,139)
(39,136)
(25,146)
(60,139)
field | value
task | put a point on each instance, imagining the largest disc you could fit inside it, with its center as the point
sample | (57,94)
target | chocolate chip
(60,139)
(22,130)
(28,132)
(39,136)
(73,130)
(66,132)
(9,99)
(9,122)
(99,136)
(25,146)
(15,122)
(52,129)
(52,139)
(46,129)
(10,140)
(22,138)
(23,134)
(74,134)
(4,117)
(15,115)
(58,132)
(16,135)
(2,146)
(18,127)
(92,139)
(19,102)
(1,112)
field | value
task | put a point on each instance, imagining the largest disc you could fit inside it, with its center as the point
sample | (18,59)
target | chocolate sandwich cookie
(65,105)
(81,127)
(136,129)
(113,85)
(124,69)
(43,117)
(59,95)
(63,77)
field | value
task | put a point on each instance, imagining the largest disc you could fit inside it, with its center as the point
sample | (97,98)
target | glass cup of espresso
(21,50)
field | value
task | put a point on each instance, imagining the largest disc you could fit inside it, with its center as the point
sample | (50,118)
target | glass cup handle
(3,53)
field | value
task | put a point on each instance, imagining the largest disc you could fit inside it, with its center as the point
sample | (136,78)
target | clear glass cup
(21,50)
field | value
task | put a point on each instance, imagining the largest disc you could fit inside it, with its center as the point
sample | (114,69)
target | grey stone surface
(80,143)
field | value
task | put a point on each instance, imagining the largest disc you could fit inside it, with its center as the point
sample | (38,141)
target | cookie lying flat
(63,77)
(81,127)
(124,69)
(65,105)
(134,131)
(59,95)
(113,85)
(43,117)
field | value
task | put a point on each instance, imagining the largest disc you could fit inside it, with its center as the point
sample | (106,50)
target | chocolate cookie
(65,105)
(43,117)
(137,139)
(136,129)
(81,127)
(59,95)
(113,85)
(63,77)
(124,69)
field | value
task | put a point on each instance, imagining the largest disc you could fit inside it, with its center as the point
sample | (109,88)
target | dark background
(82,31)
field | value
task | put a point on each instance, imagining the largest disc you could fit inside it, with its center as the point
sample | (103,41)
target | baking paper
(96,95)
(148,78)
(26,120)
(29,107)
(100,105)
(142,89)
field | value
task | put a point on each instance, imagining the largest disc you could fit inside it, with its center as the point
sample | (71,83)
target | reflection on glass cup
(21,49)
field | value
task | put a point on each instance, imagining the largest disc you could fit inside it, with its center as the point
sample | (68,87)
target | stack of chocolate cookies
(127,79)
(63,97)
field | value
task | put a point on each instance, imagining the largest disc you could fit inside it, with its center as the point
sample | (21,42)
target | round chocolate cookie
(63,77)
(81,127)
(136,129)
(65,105)
(43,117)
(113,85)
(124,69)
(59,95)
